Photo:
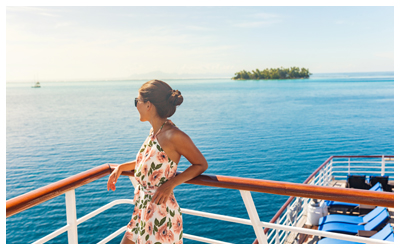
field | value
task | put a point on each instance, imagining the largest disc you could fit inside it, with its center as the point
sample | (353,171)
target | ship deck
(298,238)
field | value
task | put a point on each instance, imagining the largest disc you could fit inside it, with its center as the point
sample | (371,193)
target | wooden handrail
(385,199)
(288,201)
(40,195)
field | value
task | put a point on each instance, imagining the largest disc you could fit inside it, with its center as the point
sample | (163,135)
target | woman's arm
(112,180)
(184,146)
(127,166)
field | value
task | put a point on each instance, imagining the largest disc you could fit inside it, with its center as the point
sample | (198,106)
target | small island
(278,73)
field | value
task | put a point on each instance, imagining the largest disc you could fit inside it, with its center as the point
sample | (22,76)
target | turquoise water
(274,130)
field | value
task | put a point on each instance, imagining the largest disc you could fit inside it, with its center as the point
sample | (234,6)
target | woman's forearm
(128,166)
(188,174)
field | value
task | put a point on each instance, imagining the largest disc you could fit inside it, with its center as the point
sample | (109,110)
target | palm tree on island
(278,73)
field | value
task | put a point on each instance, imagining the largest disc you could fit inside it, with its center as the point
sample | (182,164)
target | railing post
(70,204)
(383,166)
(324,175)
(349,167)
(255,220)
(327,179)
(277,237)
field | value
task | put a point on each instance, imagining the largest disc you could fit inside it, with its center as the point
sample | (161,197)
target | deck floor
(298,238)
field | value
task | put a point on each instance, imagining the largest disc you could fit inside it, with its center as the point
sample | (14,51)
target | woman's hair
(162,96)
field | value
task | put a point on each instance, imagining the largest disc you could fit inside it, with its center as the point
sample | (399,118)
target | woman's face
(142,108)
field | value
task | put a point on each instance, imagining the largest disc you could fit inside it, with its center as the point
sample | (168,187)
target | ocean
(265,129)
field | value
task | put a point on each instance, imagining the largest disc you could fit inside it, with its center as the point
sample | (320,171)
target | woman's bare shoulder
(175,135)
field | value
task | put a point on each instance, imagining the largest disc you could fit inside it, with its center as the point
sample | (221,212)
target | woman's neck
(156,123)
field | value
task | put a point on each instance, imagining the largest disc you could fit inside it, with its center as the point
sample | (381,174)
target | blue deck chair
(353,228)
(357,181)
(390,237)
(350,219)
(384,180)
(385,234)
(376,187)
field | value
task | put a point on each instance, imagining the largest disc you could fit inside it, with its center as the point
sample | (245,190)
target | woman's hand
(112,180)
(163,192)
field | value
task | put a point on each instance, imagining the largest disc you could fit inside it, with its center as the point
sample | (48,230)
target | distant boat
(37,85)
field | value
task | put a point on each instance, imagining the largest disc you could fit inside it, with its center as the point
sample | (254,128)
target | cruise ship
(346,200)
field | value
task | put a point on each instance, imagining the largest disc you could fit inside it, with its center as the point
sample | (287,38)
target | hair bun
(175,98)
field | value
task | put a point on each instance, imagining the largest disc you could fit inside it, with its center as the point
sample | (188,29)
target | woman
(157,217)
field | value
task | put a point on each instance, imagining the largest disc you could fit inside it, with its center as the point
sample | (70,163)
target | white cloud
(265,15)
(34,10)
(47,14)
(258,20)
(81,46)
(198,28)
(102,53)
(389,55)
(256,23)
(63,24)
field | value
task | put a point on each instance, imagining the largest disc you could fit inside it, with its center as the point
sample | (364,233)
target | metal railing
(371,166)
(295,207)
(286,224)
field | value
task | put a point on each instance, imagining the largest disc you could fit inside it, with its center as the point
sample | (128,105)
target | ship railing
(244,185)
(379,165)
(293,211)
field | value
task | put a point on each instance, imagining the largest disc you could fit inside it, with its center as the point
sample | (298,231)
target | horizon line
(185,78)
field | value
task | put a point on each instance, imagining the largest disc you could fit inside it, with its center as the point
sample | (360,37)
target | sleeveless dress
(152,223)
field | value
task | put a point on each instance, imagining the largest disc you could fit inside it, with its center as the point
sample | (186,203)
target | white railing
(298,207)
(371,166)
(287,223)
(72,222)
(254,221)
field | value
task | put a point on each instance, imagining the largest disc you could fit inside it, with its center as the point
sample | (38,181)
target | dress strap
(162,126)
(159,130)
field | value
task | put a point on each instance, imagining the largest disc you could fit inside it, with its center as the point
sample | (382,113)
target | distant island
(278,73)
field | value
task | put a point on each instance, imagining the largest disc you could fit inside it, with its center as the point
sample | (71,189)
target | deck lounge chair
(345,205)
(384,180)
(350,219)
(357,181)
(346,228)
(385,234)
(390,237)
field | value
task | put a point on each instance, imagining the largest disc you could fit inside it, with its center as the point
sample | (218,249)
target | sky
(107,43)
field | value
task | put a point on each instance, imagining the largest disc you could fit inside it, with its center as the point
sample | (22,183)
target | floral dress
(152,223)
